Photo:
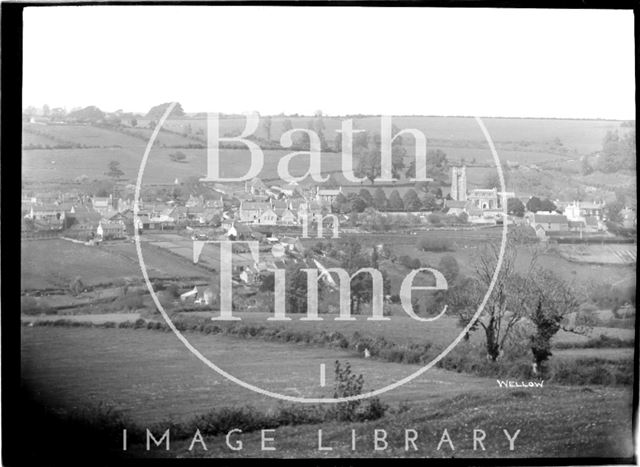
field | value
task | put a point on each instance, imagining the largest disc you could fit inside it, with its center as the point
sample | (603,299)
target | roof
(591,205)
(47,208)
(550,218)
(326,192)
(268,211)
(253,206)
(483,191)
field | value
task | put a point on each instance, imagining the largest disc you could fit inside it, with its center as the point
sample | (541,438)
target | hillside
(547,152)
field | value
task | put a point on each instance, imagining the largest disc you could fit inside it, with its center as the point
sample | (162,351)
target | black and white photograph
(332,231)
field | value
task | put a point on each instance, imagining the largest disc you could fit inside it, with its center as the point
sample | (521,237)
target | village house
(255,187)
(195,202)
(579,210)
(311,209)
(455,207)
(586,217)
(286,217)
(327,196)
(250,211)
(104,205)
(108,230)
(548,221)
(267,217)
(629,218)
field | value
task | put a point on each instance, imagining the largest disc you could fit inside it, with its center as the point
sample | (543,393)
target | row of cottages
(279,212)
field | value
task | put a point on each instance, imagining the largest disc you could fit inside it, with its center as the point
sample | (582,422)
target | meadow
(583,135)
(54,263)
(151,376)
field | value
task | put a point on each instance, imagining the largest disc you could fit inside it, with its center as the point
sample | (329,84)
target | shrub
(347,384)
(177,156)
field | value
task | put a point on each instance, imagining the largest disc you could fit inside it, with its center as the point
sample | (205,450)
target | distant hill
(156,112)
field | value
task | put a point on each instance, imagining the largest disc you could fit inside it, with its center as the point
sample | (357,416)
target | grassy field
(84,135)
(555,422)
(583,135)
(525,141)
(151,377)
(54,263)
(71,163)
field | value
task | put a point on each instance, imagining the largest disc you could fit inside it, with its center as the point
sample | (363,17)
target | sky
(347,60)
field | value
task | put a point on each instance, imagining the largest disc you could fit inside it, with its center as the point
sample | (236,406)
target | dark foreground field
(151,377)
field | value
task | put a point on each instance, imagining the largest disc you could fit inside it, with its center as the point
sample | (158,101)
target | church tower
(459,183)
(462,184)
(454,183)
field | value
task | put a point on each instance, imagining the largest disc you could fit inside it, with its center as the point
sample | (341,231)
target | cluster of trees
(618,152)
(114,170)
(300,138)
(410,202)
(528,294)
(536,204)
(437,166)
(352,258)
(367,149)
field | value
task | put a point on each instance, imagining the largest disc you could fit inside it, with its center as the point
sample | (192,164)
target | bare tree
(505,305)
